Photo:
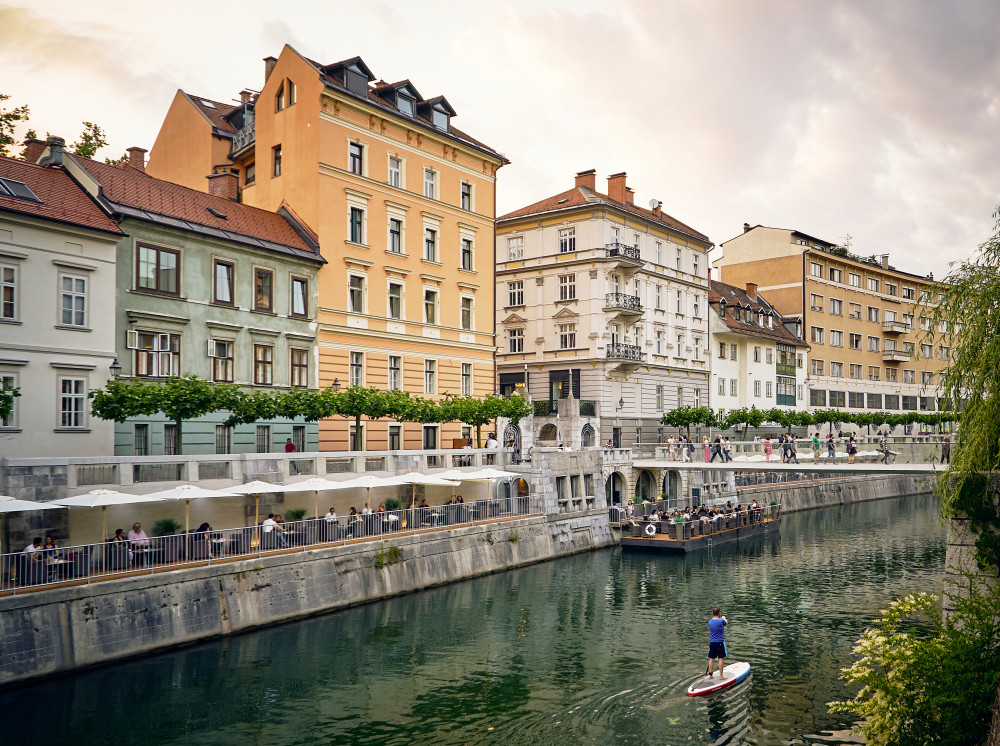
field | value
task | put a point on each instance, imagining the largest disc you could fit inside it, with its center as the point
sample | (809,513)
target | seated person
(273,533)
(49,548)
(119,536)
(137,536)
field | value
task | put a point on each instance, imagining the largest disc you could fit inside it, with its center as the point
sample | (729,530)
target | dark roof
(138,195)
(61,200)
(580,196)
(329,75)
(726,297)
(214,111)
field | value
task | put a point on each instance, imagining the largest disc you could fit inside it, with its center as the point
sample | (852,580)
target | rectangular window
(816,269)
(891,289)
(722,350)
(873,284)
(926,351)
(836,307)
(680,301)
(658,252)
(430,376)
(873,313)
(695,307)
(816,302)
(567,287)
(395,372)
(395,437)
(73,300)
(769,355)
(263,365)
(855,400)
(467,254)
(430,306)
(170,439)
(221,353)
(817,397)
(299,437)
(873,344)
(279,99)
(678,258)
(694,265)
(430,244)
(927,403)
(263,439)
(679,349)
(855,371)
(756,353)
(722,387)
(299,367)
(836,338)
(515,340)
(515,248)
(263,289)
(909,293)
(836,275)
(567,336)
(926,377)
(837,370)
(816,335)
(250,174)
(395,235)
(515,293)
(891,375)
(768,389)
(909,376)
(733,384)
(430,183)
(838,399)
(816,367)
(276,160)
(224,277)
(466,379)
(854,310)
(395,300)
(223,439)
(300,297)
(156,354)
(355,158)
(732,352)
(854,280)
(874,373)
(659,342)
(9,381)
(466,195)
(158,270)
(356,294)
(854,341)
(756,388)
(395,171)
(357,369)
(659,398)
(567,240)
(891,401)
(8,292)
(466,314)
(659,298)
(944,353)
(357,225)
(73,402)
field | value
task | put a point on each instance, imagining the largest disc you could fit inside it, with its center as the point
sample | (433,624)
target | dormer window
(405,103)
(440,118)
(356,80)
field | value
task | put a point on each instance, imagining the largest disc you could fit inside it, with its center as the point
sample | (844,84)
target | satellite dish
(654,203)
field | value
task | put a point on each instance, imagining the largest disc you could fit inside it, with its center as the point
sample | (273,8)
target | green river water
(596,648)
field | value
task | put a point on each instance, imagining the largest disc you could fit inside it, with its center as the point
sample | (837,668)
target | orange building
(403,204)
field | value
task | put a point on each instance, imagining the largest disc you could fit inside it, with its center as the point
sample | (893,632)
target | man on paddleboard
(716,641)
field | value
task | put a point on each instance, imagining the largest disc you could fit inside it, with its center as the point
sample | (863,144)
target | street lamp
(621,403)
(336,385)
(115,368)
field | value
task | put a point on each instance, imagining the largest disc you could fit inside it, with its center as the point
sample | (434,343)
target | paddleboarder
(717,642)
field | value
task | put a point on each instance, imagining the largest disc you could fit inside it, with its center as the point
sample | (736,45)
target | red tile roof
(126,186)
(578,196)
(737,298)
(214,115)
(61,199)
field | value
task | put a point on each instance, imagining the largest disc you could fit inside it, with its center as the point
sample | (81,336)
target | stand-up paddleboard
(734,672)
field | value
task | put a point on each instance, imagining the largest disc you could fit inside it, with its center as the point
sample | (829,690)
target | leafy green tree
(91,140)
(515,408)
(358,401)
(687,416)
(472,411)
(9,120)
(7,396)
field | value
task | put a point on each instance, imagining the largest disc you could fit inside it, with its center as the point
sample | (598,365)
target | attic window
(217,213)
(18,189)
(208,104)
(440,118)
(564,199)
(357,81)
(405,103)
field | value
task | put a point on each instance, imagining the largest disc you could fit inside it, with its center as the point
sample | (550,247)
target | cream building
(605,301)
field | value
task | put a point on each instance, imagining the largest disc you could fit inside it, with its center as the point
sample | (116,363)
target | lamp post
(336,385)
(115,368)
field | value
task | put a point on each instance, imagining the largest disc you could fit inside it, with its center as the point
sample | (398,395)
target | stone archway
(549,432)
(614,489)
(588,437)
(645,487)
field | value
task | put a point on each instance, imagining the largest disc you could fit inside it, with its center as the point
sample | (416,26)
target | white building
(601,300)
(57,317)
(756,361)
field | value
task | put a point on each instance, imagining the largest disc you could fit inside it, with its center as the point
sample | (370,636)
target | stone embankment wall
(796,496)
(63,629)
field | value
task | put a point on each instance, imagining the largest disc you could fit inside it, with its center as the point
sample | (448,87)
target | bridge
(867,468)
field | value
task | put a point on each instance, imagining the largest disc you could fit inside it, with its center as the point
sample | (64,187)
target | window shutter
(132,339)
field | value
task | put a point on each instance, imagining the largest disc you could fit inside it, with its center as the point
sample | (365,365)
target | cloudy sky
(877,120)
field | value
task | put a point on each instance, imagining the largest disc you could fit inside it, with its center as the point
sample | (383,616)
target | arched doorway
(549,432)
(645,488)
(587,436)
(670,486)
(614,489)
(519,488)
(512,439)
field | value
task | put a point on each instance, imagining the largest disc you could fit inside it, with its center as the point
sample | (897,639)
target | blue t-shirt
(716,630)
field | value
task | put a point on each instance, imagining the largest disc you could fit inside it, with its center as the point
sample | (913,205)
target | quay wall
(63,629)
(796,496)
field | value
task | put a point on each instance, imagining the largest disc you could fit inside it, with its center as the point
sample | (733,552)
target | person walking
(946,450)
(793,457)
(767,448)
(727,450)
(852,449)
(884,446)
(815,445)
(717,642)
(717,450)
(831,450)
(707,448)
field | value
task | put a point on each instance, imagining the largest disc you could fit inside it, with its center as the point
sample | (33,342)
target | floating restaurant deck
(695,535)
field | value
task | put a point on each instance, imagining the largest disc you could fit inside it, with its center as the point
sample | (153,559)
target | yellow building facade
(870,346)
(403,206)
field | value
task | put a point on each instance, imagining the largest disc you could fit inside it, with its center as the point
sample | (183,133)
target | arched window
(587,436)
(549,432)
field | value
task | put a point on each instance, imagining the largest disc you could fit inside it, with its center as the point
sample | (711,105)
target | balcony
(622,255)
(619,351)
(895,327)
(895,356)
(621,304)
(243,139)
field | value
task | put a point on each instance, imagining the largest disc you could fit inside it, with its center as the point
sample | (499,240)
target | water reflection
(597,648)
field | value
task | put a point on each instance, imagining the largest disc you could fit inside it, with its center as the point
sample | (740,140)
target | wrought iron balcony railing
(619,351)
(622,251)
(623,302)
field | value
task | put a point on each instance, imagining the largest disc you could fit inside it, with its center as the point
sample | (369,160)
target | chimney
(33,149)
(269,63)
(752,290)
(56,147)
(246,96)
(137,158)
(658,209)
(224,184)
(746,227)
(587,179)
(885,261)
(629,195)
(616,186)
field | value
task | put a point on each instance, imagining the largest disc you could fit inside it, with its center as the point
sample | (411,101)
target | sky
(876,121)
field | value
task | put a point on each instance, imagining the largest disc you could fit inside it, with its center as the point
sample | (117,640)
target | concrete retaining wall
(64,629)
(796,496)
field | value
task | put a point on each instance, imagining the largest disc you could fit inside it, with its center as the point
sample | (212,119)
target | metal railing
(88,563)
(622,251)
(903,450)
(619,351)
(623,302)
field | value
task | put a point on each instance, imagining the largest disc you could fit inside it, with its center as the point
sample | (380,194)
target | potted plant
(167,543)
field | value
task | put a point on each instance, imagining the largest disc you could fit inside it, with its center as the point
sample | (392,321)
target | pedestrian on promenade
(707,448)
(717,449)
(884,444)
(852,449)
(831,450)
(792,453)
(727,450)
(946,450)
(815,445)
(767,448)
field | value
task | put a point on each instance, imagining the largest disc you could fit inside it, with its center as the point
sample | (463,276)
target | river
(596,648)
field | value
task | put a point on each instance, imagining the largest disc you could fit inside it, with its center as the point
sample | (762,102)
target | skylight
(208,104)
(217,213)
(18,189)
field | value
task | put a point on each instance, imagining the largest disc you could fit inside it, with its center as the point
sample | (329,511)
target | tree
(355,401)
(687,416)
(7,396)
(748,418)
(91,140)
(9,120)
(515,408)
(471,410)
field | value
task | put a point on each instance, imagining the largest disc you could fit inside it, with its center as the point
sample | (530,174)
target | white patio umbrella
(317,485)
(187,493)
(367,481)
(414,478)
(103,499)
(13,505)
(476,475)
(256,488)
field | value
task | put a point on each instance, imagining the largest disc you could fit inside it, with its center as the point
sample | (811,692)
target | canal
(593,649)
